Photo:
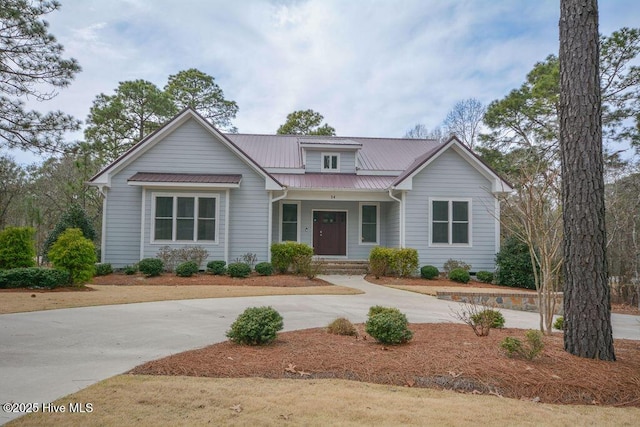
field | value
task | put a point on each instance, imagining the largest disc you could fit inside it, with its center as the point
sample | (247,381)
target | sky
(370,67)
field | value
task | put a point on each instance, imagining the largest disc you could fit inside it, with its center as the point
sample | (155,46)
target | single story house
(188,184)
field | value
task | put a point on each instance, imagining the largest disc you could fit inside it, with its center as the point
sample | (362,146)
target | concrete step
(344,267)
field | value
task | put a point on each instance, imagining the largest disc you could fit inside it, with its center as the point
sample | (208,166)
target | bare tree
(464,121)
(587,305)
(420,131)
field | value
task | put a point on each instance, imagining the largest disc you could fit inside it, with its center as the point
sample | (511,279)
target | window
(289,228)
(450,222)
(330,162)
(369,224)
(185,218)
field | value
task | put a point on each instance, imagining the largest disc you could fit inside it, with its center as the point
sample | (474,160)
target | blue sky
(372,68)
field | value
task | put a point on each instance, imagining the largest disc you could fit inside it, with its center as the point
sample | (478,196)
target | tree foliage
(12,183)
(74,253)
(74,217)
(31,66)
(305,122)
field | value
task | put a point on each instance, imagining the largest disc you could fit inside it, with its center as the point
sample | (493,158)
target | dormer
(328,155)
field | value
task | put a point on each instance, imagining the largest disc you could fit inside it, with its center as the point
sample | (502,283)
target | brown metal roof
(195,178)
(325,181)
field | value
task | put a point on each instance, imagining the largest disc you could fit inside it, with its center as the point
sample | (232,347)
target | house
(189,184)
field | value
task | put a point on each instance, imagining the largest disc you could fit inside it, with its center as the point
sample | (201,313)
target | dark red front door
(329,233)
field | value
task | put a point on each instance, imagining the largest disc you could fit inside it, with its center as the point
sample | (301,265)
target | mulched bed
(170,279)
(445,356)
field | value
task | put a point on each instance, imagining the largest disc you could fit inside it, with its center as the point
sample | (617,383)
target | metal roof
(185,178)
(326,181)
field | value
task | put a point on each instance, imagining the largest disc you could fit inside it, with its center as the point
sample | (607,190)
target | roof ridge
(331,137)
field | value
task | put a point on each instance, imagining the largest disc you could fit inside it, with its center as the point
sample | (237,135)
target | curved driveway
(48,354)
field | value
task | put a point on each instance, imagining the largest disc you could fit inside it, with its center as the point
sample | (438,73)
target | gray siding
(190,149)
(314,161)
(391,219)
(450,176)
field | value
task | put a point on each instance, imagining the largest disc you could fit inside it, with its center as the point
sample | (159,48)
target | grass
(157,400)
(17,302)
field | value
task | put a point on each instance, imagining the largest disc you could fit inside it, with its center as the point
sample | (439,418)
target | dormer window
(330,162)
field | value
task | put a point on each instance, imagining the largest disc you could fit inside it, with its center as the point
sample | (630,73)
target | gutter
(401,215)
(270,219)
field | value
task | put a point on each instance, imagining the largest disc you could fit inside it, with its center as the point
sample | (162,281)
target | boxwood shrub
(459,275)
(34,277)
(239,269)
(388,326)
(484,276)
(217,267)
(429,272)
(151,267)
(283,254)
(256,326)
(103,269)
(264,268)
(187,269)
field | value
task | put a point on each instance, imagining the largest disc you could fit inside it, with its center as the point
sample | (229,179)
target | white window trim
(450,222)
(377,242)
(175,195)
(299,219)
(323,169)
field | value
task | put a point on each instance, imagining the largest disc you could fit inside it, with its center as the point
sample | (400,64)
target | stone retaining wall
(525,301)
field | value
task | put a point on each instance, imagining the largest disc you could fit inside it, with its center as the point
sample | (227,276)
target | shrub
(103,269)
(342,326)
(452,264)
(151,267)
(33,277)
(429,272)
(264,269)
(187,269)
(405,261)
(74,217)
(459,275)
(168,257)
(559,323)
(380,261)
(514,266)
(130,269)
(239,269)
(306,266)
(250,259)
(17,247)
(530,350)
(256,326)
(74,253)
(388,326)
(493,318)
(172,256)
(217,267)
(484,276)
(283,254)
(377,309)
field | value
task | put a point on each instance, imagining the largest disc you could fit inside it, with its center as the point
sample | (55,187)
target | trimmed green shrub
(388,326)
(130,270)
(256,326)
(17,247)
(342,326)
(217,267)
(429,272)
(33,277)
(151,267)
(377,309)
(74,253)
(103,269)
(405,261)
(264,268)
(283,254)
(559,323)
(381,261)
(459,275)
(530,350)
(484,276)
(452,264)
(493,318)
(514,266)
(74,217)
(187,269)
(239,269)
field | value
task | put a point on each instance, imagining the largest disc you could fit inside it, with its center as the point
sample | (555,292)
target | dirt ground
(441,356)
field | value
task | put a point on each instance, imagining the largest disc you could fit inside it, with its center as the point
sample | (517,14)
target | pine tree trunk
(587,305)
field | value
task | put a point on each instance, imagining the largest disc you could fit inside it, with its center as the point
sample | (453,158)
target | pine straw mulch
(441,356)
(170,279)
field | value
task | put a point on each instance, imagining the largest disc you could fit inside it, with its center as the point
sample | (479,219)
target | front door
(329,233)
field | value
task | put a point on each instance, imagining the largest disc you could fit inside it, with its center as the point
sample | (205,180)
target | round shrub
(389,327)
(218,267)
(130,269)
(187,269)
(17,247)
(74,253)
(429,272)
(459,275)
(151,267)
(514,265)
(559,323)
(103,269)
(239,269)
(484,276)
(489,317)
(341,326)
(264,268)
(256,326)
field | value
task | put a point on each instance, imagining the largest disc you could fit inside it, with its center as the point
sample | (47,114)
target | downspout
(142,214)
(226,227)
(270,225)
(103,240)
(401,215)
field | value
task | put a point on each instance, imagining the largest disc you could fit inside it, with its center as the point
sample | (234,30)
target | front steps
(332,266)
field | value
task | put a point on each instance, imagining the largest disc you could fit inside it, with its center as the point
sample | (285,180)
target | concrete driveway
(49,354)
